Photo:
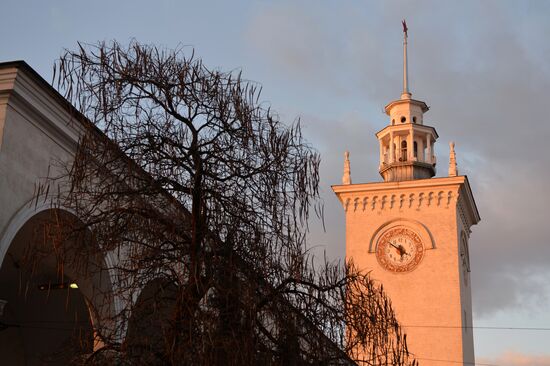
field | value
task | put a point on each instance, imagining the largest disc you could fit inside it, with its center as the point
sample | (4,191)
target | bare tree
(202,195)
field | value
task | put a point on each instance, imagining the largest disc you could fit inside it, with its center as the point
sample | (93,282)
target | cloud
(307,45)
(512,358)
(290,38)
(336,136)
(484,72)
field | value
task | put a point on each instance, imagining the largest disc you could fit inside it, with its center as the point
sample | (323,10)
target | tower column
(410,145)
(392,149)
(429,149)
(421,149)
(381,152)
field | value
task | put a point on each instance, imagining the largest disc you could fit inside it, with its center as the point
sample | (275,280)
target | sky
(482,67)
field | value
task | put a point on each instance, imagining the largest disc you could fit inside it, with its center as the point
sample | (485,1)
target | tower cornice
(387,186)
(406,127)
(413,194)
(396,102)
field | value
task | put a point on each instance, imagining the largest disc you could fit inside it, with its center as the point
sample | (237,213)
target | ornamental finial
(453,170)
(346,178)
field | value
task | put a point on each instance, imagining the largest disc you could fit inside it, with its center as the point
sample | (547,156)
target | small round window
(403,119)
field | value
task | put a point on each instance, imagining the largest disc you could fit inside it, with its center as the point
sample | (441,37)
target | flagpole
(406,94)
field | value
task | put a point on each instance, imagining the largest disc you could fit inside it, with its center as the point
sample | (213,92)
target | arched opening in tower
(403,156)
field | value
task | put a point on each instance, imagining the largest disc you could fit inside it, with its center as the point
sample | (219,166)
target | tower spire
(346,178)
(406,144)
(406,93)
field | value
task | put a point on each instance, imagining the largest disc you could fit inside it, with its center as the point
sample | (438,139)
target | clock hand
(399,249)
(402,251)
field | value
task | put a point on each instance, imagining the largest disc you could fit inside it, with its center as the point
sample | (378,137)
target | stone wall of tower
(463,234)
(431,299)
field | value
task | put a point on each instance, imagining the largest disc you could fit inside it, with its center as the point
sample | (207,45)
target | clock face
(399,250)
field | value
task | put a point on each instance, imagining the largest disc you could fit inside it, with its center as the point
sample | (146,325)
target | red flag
(405,29)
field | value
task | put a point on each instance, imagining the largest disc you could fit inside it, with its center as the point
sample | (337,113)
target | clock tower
(412,232)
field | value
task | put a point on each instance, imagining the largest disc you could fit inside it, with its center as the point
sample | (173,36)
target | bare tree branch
(203,197)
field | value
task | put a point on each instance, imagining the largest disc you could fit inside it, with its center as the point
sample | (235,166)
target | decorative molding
(28,95)
(415,200)
(466,222)
(414,225)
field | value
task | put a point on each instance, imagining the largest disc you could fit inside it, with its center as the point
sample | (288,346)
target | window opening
(403,151)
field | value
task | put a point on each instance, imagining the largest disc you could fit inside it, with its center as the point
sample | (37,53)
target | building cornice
(469,202)
(387,186)
(28,94)
(413,194)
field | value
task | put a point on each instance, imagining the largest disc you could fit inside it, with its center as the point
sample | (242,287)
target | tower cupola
(406,144)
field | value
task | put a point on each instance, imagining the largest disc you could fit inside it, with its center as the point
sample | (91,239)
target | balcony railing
(405,158)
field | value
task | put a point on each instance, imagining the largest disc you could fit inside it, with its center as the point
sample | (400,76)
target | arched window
(403,151)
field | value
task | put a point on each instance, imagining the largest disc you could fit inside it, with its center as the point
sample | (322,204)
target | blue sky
(482,66)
